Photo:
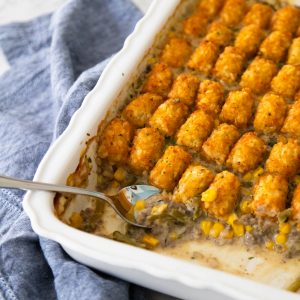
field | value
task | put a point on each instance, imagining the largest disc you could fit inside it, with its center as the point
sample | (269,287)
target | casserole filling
(214,122)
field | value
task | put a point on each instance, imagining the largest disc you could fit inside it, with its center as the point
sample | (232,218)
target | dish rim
(51,170)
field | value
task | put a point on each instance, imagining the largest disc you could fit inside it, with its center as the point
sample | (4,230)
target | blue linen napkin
(55,61)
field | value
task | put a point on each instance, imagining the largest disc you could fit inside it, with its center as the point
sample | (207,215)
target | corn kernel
(249,228)
(206,226)
(139,205)
(245,207)
(285,228)
(108,174)
(171,34)
(269,245)
(150,240)
(173,236)
(158,209)
(248,176)
(120,174)
(238,229)
(258,172)
(246,191)
(216,230)
(281,238)
(232,218)
(100,179)
(297,179)
(228,235)
(76,220)
(209,195)
(151,60)
(114,184)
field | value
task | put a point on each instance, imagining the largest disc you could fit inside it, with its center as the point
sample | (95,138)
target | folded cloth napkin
(55,61)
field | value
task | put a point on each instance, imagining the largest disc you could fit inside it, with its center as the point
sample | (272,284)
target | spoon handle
(16,183)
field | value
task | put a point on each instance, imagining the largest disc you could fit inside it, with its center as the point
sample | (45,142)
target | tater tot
(115,141)
(211,7)
(270,193)
(270,114)
(210,97)
(287,81)
(292,121)
(169,116)
(258,75)
(219,34)
(237,109)
(227,187)
(185,88)
(249,39)
(284,159)
(193,182)
(286,19)
(204,57)
(159,81)
(176,52)
(229,65)
(294,52)
(196,24)
(296,204)
(195,130)
(247,153)
(147,148)
(140,109)
(275,46)
(169,168)
(220,142)
(233,12)
(260,15)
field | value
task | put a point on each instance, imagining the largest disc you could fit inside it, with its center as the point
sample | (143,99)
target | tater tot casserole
(214,123)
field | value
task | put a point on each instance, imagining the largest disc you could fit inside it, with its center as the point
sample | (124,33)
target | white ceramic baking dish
(169,275)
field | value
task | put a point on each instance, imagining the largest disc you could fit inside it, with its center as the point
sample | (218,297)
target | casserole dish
(179,278)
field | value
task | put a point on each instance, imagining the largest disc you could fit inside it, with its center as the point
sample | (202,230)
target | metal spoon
(122,202)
